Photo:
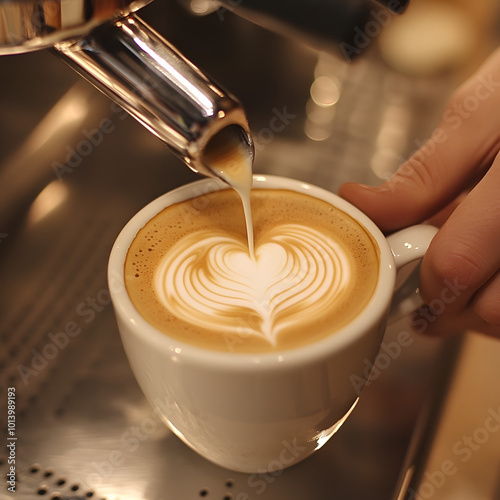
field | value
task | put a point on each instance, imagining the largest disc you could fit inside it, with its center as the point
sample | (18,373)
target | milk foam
(190,274)
(210,280)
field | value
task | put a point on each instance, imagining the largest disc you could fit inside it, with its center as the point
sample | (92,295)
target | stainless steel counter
(74,168)
(455,452)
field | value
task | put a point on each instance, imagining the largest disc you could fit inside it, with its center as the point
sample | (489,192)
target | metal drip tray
(83,428)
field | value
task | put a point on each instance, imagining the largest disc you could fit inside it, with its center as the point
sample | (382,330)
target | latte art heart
(209,279)
(190,275)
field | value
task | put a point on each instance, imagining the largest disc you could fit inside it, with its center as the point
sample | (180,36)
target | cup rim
(374,311)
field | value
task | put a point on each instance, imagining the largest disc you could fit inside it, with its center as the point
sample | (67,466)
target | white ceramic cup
(258,412)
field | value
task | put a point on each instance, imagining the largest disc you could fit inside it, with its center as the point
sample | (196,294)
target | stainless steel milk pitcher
(108,44)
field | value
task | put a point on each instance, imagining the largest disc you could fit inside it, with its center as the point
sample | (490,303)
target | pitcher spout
(137,68)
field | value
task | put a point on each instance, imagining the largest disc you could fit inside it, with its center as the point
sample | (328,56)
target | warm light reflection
(180,81)
(316,132)
(325,91)
(324,94)
(72,14)
(320,116)
(384,162)
(202,7)
(329,64)
(47,201)
(391,141)
(70,110)
(324,436)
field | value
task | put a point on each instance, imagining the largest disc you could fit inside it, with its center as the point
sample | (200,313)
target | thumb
(416,192)
(465,143)
(413,194)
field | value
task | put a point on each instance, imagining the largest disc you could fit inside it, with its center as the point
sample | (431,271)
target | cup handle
(408,246)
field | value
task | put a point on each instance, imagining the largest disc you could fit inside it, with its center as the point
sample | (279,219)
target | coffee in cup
(189,271)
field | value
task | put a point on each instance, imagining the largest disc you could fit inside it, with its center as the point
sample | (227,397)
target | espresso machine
(109,45)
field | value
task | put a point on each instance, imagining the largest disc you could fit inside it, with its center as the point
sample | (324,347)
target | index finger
(464,144)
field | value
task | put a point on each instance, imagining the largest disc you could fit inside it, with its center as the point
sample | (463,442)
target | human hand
(454,179)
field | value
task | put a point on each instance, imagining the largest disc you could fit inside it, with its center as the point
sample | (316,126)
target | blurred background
(74,168)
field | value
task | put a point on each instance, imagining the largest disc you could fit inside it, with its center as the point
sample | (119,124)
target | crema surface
(190,274)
